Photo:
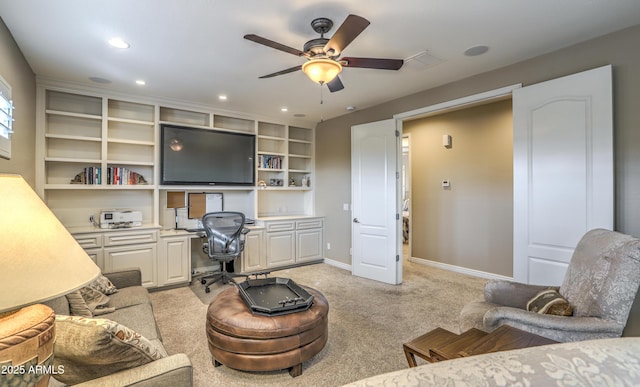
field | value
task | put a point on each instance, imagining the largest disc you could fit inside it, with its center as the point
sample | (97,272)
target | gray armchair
(600,284)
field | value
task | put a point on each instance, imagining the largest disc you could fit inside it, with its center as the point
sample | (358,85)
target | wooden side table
(440,344)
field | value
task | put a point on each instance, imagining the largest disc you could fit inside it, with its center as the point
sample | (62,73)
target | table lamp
(39,260)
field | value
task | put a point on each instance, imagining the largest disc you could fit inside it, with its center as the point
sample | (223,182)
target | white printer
(120,218)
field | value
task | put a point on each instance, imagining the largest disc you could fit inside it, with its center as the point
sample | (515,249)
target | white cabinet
(174,260)
(135,256)
(293,241)
(114,250)
(253,257)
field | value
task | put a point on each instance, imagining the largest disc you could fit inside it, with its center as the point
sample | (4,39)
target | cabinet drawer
(89,241)
(280,226)
(130,237)
(311,223)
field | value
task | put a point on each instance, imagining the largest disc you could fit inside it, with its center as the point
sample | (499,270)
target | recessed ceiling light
(299,115)
(118,43)
(141,82)
(222,97)
(284,109)
(476,50)
(351,108)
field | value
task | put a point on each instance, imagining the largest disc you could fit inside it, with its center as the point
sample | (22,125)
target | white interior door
(563,170)
(375,208)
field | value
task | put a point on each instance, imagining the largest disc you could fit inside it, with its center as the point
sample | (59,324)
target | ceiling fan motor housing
(315,47)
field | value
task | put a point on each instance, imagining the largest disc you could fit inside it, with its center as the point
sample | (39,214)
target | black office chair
(225,233)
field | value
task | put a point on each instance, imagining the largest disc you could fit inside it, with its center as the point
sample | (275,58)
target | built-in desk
(170,257)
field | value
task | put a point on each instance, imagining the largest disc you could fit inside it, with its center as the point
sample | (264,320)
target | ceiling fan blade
(335,85)
(281,72)
(272,44)
(372,63)
(346,33)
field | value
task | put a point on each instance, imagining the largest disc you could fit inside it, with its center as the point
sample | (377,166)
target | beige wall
(618,49)
(17,72)
(470,223)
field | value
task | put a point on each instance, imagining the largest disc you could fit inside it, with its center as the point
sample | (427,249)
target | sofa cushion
(90,348)
(137,317)
(134,295)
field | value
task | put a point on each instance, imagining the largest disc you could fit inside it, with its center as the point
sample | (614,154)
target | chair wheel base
(207,290)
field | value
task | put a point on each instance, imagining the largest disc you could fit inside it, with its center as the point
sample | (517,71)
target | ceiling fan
(323,55)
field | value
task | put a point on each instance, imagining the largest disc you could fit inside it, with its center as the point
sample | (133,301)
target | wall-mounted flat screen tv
(206,157)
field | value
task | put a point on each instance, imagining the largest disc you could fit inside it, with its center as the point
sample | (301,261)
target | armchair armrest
(512,294)
(125,278)
(559,328)
(175,370)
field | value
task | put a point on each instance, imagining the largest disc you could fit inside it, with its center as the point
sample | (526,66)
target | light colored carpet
(368,322)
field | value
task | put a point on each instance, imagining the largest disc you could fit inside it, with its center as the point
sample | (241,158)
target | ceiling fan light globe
(322,70)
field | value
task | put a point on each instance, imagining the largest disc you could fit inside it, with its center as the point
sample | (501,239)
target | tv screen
(205,156)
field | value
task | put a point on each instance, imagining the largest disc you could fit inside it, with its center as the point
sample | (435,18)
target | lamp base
(26,346)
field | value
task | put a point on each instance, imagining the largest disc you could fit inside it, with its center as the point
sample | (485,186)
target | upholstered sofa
(107,349)
(603,362)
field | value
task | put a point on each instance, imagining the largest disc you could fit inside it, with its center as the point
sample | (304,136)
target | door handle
(355,220)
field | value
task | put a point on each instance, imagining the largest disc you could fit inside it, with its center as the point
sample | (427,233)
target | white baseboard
(337,264)
(459,269)
(439,265)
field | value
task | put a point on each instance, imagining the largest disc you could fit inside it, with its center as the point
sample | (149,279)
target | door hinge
(397,258)
(397,175)
(397,133)
(397,216)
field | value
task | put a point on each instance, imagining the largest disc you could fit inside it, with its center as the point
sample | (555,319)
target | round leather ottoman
(242,340)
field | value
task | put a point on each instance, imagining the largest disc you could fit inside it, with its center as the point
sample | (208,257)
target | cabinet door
(139,256)
(253,258)
(97,257)
(309,245)
(175,265)
(281,248)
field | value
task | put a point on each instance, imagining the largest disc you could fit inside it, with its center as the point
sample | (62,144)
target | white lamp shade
(39,259)
(322,70)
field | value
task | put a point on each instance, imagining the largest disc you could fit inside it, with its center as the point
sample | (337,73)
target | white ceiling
(193,50)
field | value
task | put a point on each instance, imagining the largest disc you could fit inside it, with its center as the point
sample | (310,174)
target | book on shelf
(115,176)
(270,161)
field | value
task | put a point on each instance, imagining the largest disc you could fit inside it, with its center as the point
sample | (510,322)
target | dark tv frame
(217,184)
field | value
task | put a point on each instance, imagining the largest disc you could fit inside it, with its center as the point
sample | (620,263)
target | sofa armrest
(513,294)
(174,370)
(559,328)
(125,278)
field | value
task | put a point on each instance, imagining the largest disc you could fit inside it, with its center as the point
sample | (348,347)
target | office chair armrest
(245,231)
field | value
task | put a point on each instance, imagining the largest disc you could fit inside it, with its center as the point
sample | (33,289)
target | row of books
(114,176)
(270,162)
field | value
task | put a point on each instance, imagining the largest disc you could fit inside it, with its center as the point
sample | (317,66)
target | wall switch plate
(345,206)
(446,183)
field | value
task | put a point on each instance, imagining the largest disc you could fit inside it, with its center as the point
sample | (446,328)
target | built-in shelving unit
(88,136)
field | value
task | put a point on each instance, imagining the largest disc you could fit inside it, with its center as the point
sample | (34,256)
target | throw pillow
(95,301)
(103,285)
(90,348)
(549,301)
(77,305)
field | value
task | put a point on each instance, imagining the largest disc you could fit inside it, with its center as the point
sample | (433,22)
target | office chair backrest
(224,233)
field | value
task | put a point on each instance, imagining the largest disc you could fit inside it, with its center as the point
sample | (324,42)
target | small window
(6,119)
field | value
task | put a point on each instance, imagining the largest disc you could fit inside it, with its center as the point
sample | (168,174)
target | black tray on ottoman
(274,296)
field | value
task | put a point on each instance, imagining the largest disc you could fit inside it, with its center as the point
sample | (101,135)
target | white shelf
(300,156)
(300,141)
(72,137)
(72,114)
(72,160)
(272,138)
(130,142)
(130,121)
(99,187)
